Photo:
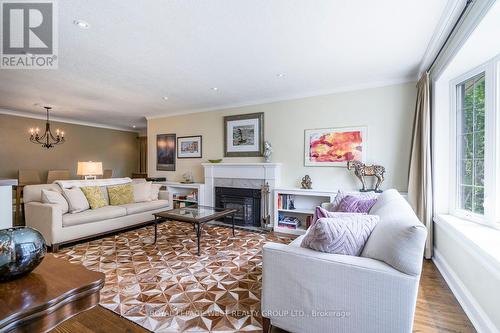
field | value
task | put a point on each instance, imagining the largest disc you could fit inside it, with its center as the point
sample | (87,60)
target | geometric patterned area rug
(166,287)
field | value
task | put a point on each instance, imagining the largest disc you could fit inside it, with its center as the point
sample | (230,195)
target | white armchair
(309,291)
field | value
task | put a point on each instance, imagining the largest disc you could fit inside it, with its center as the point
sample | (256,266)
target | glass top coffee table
(196,215)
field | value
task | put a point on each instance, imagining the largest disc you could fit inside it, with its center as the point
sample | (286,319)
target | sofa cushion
(399,237)
(352,204)
(345,234)
(121,194)
(333,206)
(76,200)
(140,207)
(155,191)
(94,196)
(55,197)
(34,192)
(93,215)
(104,191)
(142,191)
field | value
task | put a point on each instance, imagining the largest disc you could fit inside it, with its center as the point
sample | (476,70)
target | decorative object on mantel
(361,170)
(216,161)
(187,178)
(334,146)
(165,152)
(306,182)
(244,135)
(47,140)
(21,250)
(189,147)
(268,151)
(89,169)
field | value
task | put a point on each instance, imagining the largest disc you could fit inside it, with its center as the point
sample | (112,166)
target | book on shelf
(309,219)
(289,222)
(286,201)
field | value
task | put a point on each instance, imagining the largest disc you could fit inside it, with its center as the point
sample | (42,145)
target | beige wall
(116,149)
(386,111)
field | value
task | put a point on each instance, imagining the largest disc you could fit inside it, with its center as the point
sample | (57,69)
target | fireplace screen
(246,201)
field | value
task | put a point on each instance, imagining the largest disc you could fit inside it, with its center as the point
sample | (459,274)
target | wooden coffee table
(55,291)
(196,215)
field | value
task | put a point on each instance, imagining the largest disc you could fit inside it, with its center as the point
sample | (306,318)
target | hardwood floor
(437,309)
(437,312)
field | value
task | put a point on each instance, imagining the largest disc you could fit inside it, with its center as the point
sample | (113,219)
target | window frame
(491,70)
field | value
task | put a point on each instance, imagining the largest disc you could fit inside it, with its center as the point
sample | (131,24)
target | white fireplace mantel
(269,173)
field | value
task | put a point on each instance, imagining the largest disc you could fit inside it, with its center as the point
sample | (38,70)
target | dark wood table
(55,291)
(196,215)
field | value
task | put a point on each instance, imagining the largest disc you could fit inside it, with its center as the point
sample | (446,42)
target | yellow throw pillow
(121,194)
(94,196)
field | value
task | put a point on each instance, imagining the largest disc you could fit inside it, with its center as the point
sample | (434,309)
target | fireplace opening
(246,200)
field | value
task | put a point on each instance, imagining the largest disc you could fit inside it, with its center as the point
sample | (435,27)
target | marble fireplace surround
(241,175)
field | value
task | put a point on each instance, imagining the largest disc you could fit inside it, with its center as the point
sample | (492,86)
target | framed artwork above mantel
(244,135)
(334,146)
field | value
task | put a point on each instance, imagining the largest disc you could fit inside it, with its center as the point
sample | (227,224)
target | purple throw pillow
(345,234)
(352,204)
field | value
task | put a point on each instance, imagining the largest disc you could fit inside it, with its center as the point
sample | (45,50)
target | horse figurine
(361,170)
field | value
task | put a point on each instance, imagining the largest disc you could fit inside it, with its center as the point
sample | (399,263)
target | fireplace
(246,200)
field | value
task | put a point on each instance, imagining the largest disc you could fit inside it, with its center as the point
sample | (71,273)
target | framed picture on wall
(334,146)
(189,147)
(165,152)
(244,135)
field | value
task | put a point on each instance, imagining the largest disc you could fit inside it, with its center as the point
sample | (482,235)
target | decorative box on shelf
(183,194)
(294,208)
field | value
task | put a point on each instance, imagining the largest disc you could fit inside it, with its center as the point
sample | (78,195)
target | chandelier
(47,140)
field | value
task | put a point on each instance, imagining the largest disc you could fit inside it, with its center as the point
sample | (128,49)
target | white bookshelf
(305,202)
(176,189)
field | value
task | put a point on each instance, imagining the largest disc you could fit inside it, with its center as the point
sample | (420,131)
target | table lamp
(89,169)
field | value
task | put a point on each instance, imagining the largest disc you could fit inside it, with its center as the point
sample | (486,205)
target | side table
(55,291)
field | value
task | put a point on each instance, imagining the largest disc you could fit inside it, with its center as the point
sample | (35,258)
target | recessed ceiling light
(281,75)
(134,126)
(214,88)
(82,24)
(165,98)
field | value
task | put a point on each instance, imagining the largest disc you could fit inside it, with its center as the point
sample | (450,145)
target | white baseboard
(477,316)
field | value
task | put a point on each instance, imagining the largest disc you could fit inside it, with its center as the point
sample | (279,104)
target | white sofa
(58,228)
(309,291)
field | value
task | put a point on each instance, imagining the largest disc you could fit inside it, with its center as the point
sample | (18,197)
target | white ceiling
(135,52)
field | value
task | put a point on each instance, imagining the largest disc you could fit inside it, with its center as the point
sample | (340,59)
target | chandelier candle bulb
(47,140)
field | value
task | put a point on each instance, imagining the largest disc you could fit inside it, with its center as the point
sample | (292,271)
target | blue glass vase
(21,250)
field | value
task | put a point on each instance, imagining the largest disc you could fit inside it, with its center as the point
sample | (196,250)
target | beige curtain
(420,173)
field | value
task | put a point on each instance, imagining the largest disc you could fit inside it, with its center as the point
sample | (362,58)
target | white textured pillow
(77,201)
(142,191)
(155,191)
(56,198)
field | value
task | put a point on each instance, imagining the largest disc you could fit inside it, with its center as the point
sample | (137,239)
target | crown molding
(317,93)
(66,120)
(448,18)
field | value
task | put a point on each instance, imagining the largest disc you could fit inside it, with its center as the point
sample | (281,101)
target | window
(471,142)
(475,175)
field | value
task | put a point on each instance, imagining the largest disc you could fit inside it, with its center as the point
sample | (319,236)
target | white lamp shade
(89,169)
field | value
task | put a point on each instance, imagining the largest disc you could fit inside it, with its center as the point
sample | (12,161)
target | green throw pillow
(121,194)
(94,196)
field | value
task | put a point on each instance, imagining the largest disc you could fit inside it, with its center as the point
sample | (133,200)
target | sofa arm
(163,195)
(46,218)
(309,291)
